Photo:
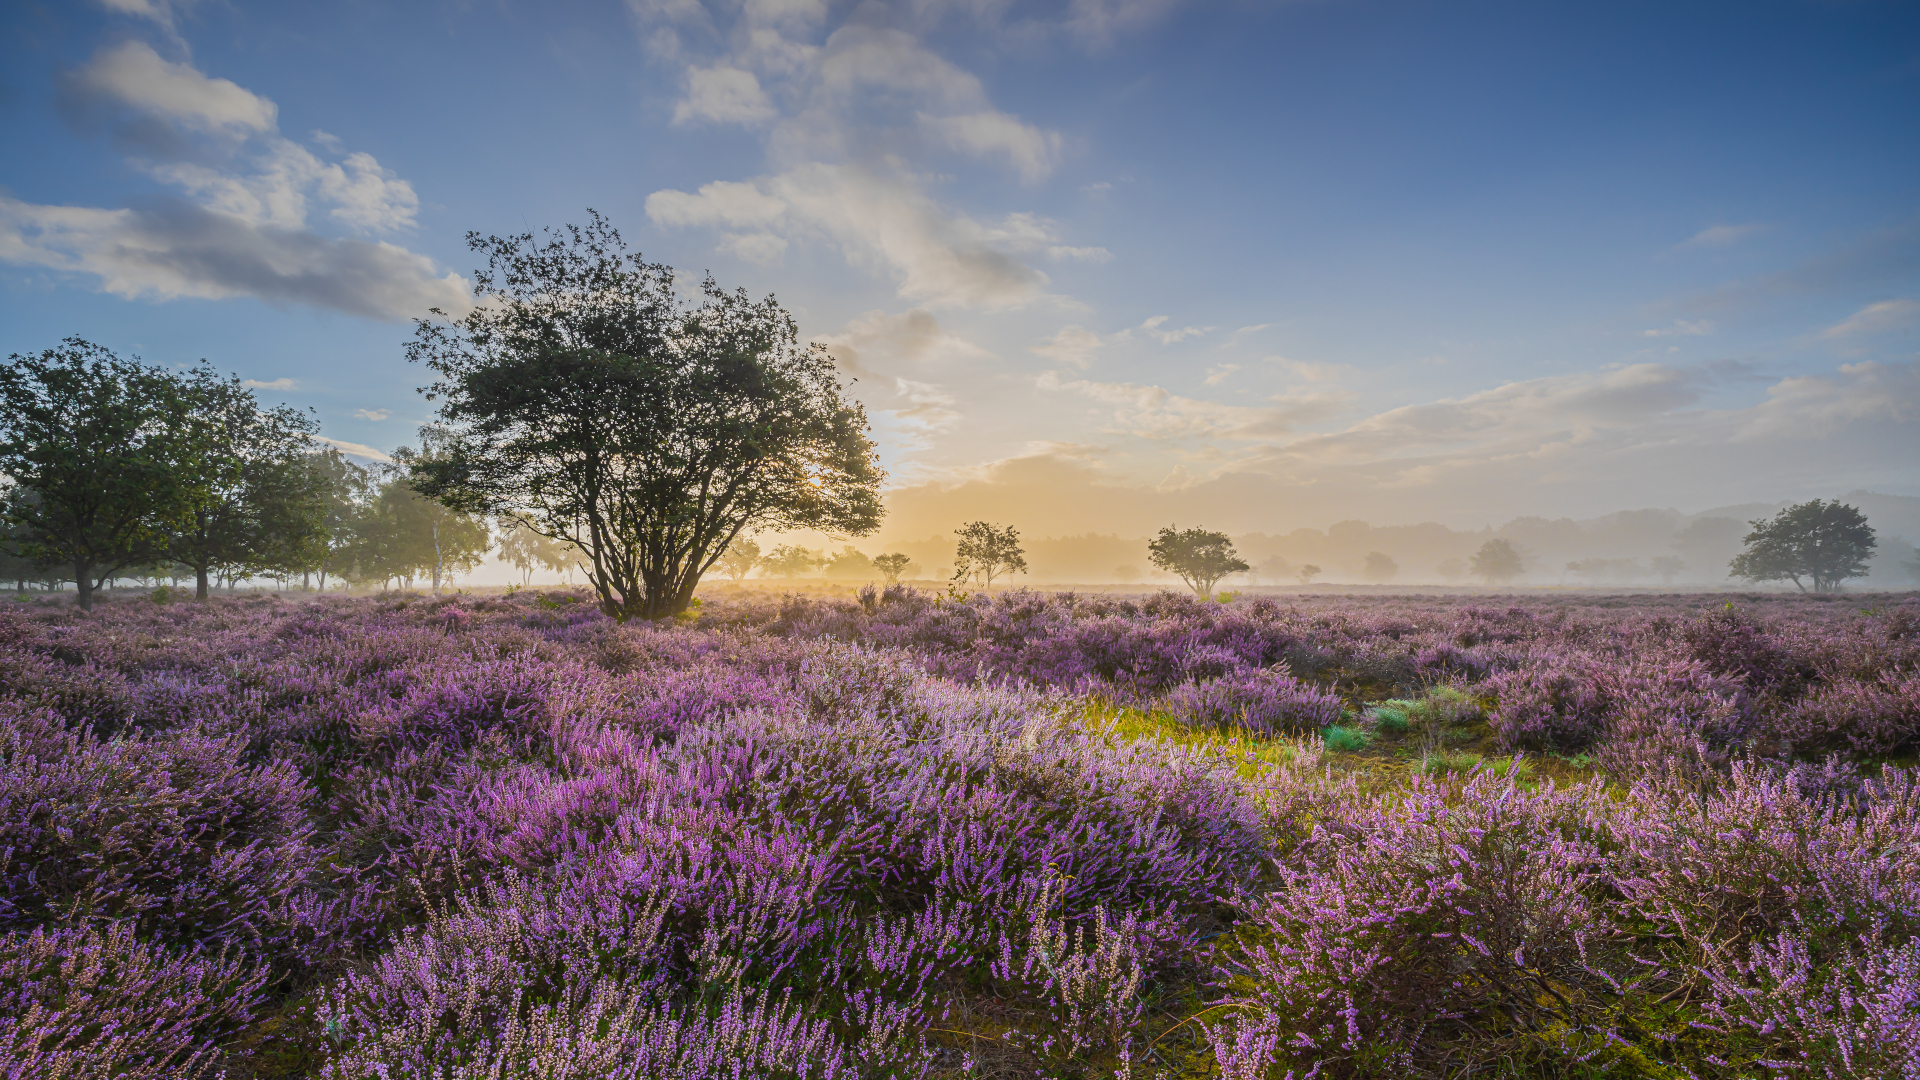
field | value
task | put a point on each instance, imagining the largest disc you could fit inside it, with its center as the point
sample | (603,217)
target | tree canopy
(588,400)
(987,551)
(1497,562)
(892,564)
(1824,542)
(1196,556)
(251,499)
(96,441)
(740,558)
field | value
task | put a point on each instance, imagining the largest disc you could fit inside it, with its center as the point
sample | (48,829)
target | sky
(1092,265)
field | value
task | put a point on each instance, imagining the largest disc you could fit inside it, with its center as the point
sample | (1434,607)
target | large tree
(1823,542)
(1198,557)
(986,551)
(740,558)
(589,401)
(95,440)
(251,499)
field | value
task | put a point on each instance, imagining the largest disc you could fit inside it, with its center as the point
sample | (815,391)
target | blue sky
(1094,264)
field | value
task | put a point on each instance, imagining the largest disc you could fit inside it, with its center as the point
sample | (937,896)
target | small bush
(1346,739)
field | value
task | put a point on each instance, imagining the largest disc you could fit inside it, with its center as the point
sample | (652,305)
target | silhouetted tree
(849,562)
(789,561)
(527,550)
(1307,573)
(1497,563)
(1824,542)
(1668,567)
(589,401)
(1196,556)
(97,441)
(986,551)
(740,558)
(891,565)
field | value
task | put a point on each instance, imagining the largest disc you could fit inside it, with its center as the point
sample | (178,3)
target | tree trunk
(200,582)
(83,583)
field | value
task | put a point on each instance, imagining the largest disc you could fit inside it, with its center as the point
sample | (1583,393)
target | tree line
(115,468)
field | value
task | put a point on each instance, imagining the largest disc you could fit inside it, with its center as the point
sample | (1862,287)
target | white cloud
(1073,346)
(1098,22)
(1682,328)
(354,449)
(879,222)
(1032,152)
(1080,254)
(724,95)
(1875,318)
(243,228)
(178,250)
(133,74)
(373,414)
(1715,236)
(1151,328)
(1153,412)
(1220,373)
(270,384)
(846,119)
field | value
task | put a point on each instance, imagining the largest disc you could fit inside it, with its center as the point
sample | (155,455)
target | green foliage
(251,501)
(986,551)
(1497,562)
(588,399)
(1198,557)
(1824,542)
(1346,739)
(95,442)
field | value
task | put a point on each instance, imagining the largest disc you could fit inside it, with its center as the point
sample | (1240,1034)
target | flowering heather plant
(904,836)
(1259,702)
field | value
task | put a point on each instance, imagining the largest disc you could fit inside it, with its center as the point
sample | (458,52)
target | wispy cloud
(1681,328)
(1876,318)
(1719,236)
(373,414)
(271,384)
(354,449)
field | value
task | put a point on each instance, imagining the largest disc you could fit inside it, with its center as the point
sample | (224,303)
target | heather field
(909,835)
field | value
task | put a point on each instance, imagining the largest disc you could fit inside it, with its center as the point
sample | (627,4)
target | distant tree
(986,552)
(740,558)
(849,563)
(1379,567)
(1824,542)
(892,565)
(1912,567)
(1274,569)
(250,499)
(1307,573)
(1198,557)
(590,401)
(789,561)
(1668,567)
(1452,569)
(1497,563)
(95,439)
(528,551)
(1126,575)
